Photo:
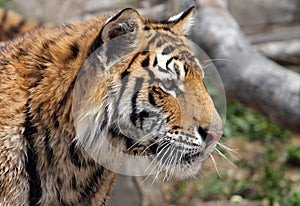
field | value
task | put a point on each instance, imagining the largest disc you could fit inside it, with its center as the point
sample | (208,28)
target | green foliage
(216,188)
(8,4)
(273,184)
(293,155)
(245,122)
(179,191)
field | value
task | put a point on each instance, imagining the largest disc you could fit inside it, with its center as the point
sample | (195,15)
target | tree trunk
(249,77)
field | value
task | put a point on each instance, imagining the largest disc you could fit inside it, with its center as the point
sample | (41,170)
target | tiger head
(145,95)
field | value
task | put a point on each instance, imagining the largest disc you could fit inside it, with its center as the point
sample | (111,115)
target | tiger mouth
(172,153)
(180,155)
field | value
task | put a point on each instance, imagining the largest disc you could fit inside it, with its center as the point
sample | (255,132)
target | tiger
(154,89)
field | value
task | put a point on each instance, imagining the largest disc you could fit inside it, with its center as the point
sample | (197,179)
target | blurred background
(266,162)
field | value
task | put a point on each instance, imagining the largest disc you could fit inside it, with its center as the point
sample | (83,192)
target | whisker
(209,62)
(166,166)
(174,163)
(169,163)
(214,60)
(231,163)
(139,141)
(215,164)
(158,141)
(229,150)
(181,155)
(120,128)
(156,176)
(150,174)
(204,173)
(148,167)
(154,159)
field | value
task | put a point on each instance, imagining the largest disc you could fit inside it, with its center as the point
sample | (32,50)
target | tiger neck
(55,165)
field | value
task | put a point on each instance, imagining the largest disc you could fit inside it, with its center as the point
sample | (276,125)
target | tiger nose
(213,136)
(209,135)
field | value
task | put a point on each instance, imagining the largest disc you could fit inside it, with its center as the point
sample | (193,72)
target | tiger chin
(155,103)
(78,99)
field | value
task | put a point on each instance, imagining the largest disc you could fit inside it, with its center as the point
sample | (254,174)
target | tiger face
(154,100)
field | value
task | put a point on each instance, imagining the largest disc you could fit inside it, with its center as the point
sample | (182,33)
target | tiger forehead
(158,38)
(171,47)
(167,44)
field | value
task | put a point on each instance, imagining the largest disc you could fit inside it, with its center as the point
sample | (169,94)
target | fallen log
(286,33)
(286,53)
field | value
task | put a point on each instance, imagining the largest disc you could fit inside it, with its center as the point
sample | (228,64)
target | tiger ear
(183,21)
(126,21)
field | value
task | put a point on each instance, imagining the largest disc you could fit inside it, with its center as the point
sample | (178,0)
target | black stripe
(55,120)
(22,52)
(105,119)
(124,82)
(162,69)
(167,64)
(104,202)
(168,49)
(159,43)
(151,41)
(142,115)
(134,113)
(95,45)
(91,187)
(186,70)
(151,99)
(185,14)
(124,78)
(63,102)
(74,52)
(35,190)
(16,29)
(74,155)
(73,183)
(155,62)
(48,148)
(145,62)
(130,142)
(153,148)
(125,73)
(151,74)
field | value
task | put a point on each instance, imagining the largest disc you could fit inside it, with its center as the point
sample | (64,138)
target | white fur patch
(162,62)
(107,20)
(175,17)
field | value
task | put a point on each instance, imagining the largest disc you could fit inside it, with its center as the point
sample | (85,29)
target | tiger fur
(41,162)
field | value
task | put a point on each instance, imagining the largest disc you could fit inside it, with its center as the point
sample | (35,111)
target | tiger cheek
(169,107)
(173,111)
